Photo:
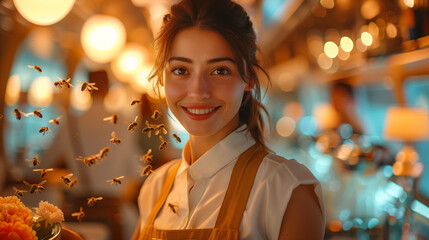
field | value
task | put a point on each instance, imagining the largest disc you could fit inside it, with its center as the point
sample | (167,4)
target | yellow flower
(15,220)
(49,213)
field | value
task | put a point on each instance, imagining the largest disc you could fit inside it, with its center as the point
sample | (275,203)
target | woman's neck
(199,145)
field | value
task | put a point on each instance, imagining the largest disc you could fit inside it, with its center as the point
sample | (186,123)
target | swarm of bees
(19,193)
(36,187)
(63,82)
(69,180)
(145,170)
(43,171)
(103,153)
(18,113)
(177,138)
(56,121)
(92,200)
(114,139)
(113,119)
(34,161)
(163,144)
(44,130)
(148,157)
(35,67)
(156,114)
(148,129)
(89,161)
(136,101)
(173,207)
(87,86)
(132,126)
(79,215)
(115,180)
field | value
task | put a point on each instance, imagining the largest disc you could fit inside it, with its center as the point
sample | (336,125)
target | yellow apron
(228,221)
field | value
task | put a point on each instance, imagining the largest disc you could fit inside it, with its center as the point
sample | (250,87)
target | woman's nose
(199,87)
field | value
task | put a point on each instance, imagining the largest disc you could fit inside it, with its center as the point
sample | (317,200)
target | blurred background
(349,99)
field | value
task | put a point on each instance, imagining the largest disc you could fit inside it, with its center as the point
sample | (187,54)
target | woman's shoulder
(276,167)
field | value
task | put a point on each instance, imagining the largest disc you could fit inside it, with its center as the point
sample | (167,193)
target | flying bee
(65,82)
(173,207)
(133,125)
(72,183)
(156,114)
(36,187)
(37,113)
(115,180)
(89,86)
(35,67)
(103,152)
(148,157)
(160,128)
(145,171)
(19,193)
(89,161)
(113,119)
(67,178)
(58,84)
(148,129)
(92,200)
(79,215)
(44,130)
(18,114)
(163,144)
(43,171)
(34,161)
(55,121)
(136,101)
(177,138)
(114,139)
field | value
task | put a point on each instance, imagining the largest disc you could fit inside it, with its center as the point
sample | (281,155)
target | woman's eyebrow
(214,60)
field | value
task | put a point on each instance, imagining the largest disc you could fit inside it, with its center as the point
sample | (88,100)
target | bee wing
(60,78)
(99,198)
(30,66)
(149,151)
(49,169)
(135,119)
(113,134)
(94,87)
(42,182)
(27,183)
(37,170)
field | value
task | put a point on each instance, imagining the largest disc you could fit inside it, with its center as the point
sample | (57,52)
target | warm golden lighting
(406,124)
(327,117)
(360,46)
(329,4)
(141,83)
(293,109)
(370,9)
(315,46)
(331,49)
(285,126)
(366,39)
(324,61)
(79,100)
(373,29)
(40,42)
(102,38)
(391,30)
(132,58)
(343,55)
(43,12)
(346,44)
(13,90)
(116,99)
(41,92)
(286,82)
(408,3)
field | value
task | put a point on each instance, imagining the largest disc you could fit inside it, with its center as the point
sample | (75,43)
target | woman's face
(203,87)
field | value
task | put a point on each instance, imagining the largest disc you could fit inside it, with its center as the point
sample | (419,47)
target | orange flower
(16,231)
(13,210)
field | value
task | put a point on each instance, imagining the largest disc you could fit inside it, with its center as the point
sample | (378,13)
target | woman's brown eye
(179,71)
(221,71)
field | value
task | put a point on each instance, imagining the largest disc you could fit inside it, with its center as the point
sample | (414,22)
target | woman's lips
(200,112)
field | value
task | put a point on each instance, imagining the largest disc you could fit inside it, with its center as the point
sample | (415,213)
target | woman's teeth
(200,111)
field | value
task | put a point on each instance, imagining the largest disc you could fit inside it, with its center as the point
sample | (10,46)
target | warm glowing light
(360,46)
(346,44)
(143,85)
(130,60)
(335,226)
(324,61)
(41,92)
(373,29)
(408,3)
(329,4)
(157,13)
(406,124)
(13,90)
(315,45)
(102,38)
(370,9)
(116,99)
(366,38)
(293,109)
(391,30)
(40,42)
(285,126)
(286,82)
(343,55)
(43,12)
(327,117)
(331,49)
(79,100)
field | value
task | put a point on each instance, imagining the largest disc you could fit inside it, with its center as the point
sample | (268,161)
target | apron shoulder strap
(166,187)
(240,186)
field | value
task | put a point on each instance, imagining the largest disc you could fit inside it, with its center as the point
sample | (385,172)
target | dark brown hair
(231,21)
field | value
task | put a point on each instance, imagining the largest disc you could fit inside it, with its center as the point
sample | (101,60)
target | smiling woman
(226,183)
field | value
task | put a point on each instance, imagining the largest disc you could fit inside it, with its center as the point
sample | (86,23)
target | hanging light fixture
(43,12)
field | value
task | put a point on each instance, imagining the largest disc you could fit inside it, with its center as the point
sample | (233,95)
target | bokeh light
(331,49)
(40,93)
(13,90)
(44,12)
(346,44)
(285,126)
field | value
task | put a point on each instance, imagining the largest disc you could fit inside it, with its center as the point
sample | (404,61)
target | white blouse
(199,189)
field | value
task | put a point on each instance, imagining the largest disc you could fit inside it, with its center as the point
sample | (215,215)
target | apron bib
(227,222)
